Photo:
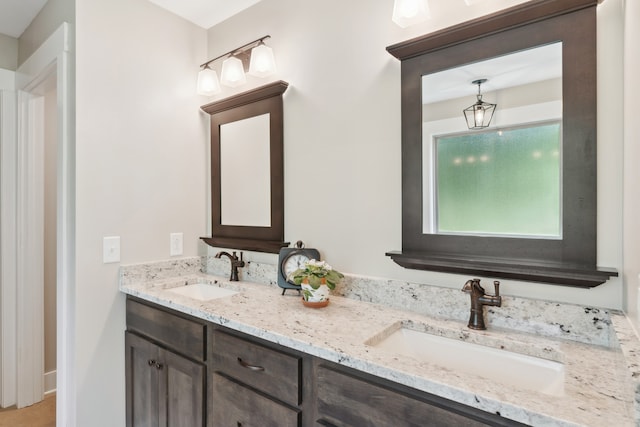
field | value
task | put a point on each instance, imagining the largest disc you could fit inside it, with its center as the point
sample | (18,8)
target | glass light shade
(410,12)
(470,2)
(232,72)
(262,62)
(208,83)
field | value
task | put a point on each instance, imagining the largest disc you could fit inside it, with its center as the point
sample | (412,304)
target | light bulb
(262,62)
(479,116)
(208,83)
(232,72)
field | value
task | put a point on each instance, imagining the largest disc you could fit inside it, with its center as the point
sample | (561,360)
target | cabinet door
(142,382)
(237,406)
(182,387)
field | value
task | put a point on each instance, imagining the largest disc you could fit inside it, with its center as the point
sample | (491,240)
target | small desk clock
(291,259)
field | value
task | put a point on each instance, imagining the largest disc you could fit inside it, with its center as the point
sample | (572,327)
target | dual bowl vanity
(431,370)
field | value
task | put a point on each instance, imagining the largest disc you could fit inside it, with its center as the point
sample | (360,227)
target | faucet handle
(496,285)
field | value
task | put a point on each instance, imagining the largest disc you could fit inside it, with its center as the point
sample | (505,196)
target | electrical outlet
(111,249)
(175,244)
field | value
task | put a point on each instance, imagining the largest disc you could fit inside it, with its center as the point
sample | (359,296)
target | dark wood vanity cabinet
(183,371)
(253,385)
(165,368)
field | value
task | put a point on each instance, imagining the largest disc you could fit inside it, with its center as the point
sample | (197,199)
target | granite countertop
(598,389)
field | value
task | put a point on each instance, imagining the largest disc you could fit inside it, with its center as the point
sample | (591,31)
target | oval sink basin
(202,291)
(507,367)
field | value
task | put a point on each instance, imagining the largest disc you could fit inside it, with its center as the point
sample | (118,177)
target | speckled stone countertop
(599,388)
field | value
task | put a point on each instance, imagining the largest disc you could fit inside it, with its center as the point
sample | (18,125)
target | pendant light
(479,115)
(208,83)
(410,12)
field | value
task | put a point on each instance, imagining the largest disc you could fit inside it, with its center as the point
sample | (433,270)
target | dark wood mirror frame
(262,100)
(570,261)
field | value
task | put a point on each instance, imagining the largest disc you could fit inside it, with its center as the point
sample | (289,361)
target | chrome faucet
(478,300)
(235,263)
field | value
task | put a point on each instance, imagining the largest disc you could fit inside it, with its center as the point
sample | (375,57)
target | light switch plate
(111,249)
(175,244)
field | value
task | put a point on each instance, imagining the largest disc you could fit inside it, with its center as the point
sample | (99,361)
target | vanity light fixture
(479,115)
(410,12)
(260,64)
(232,74)
(208,83)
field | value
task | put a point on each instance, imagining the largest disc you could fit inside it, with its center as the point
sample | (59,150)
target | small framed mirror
(247,174)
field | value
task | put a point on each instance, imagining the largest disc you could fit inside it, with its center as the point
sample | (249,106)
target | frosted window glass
(504,182)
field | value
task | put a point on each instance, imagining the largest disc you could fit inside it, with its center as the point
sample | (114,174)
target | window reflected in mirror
(501,182)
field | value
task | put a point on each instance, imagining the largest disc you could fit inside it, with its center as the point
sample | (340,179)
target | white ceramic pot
(315,295)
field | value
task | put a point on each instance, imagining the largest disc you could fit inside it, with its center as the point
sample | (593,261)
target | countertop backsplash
(589,325)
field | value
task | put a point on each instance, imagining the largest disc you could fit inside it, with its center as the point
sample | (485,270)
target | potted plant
(316,279)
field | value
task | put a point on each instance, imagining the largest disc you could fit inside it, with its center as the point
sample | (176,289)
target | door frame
(53,56)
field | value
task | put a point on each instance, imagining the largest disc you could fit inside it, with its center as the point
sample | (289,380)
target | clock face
(293,263)
(291,259)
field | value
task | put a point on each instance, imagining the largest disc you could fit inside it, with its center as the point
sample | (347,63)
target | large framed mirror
(247,171)
(516,199)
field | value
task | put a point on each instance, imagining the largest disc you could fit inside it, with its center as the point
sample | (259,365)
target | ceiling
(205,13)
(16,15)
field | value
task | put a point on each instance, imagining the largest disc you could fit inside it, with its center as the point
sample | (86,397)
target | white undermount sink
(507,367)
(202,291)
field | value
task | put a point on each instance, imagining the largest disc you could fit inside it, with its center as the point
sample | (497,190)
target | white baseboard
(49,382)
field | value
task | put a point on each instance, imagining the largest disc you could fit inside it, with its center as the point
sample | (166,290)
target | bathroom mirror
(565,255)
(510,171)
(247,175)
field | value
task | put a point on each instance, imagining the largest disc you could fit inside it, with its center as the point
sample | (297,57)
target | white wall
(8,52)
(343,111)
(631,157)
(141,173)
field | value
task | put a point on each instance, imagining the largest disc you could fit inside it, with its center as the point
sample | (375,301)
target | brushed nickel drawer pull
(252,367)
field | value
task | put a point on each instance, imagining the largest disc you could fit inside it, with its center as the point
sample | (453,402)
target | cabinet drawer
(235,405)
(344,400)
(186,336)
(270,371)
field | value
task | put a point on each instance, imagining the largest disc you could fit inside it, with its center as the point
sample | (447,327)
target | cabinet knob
(152,362)
(248,366)
(159,365)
